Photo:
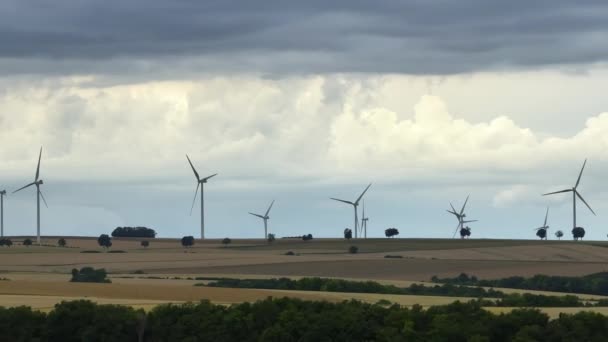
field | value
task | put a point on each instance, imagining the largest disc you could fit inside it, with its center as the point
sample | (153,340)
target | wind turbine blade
(582,199)
(363,193)
(464,205)
(580,174)
(260,216)
(38,168)
(557,192)
(270,207)
(194,200)
(207,178)
(343,201)
(452,212)
(546,216)
(456,231)
(470,221)
(43,200)
(193,169)
(453,209)
(27,186)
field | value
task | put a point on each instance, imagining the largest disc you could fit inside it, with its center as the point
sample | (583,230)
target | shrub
(61,242)
(353,250)
(104,241)
(187,241)
(307,237)
(89,275)
(393,256)
(27,242)
(290,253)
(348,234)
(226,241)
(145,243)
(6,242)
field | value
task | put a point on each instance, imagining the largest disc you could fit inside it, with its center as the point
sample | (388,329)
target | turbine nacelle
(3,193)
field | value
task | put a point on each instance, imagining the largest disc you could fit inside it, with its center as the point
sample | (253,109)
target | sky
(297,102)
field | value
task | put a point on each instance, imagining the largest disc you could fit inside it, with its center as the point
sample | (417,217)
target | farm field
(39,275)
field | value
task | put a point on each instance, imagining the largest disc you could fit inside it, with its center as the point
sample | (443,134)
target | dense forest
(596,283)
(142,232)
(294,320)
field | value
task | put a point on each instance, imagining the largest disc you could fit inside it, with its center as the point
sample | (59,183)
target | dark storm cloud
(435,37)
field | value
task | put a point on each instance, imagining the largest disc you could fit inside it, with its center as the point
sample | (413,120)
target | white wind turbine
(364,220)
(37,182)
(200,182)
(460,216)
(575,194)
(265,217)
(544,227)
(355,204)
(2,194)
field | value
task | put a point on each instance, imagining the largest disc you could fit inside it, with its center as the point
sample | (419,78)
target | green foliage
(226,241)
(89,275)
(290,253)
(391,232)
(134,232)
(187,241)
(559,234)
(145,243)
(104,241)
(596,283)
(27,242)
(271,238)
(6,242)
(288,319)
(578,233)
(307,237)
(348,233)
(61,242)
(353,249)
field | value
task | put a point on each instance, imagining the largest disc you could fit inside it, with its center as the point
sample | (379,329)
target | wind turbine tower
(2,194)
(364,220)
(355,204)
(265,217)
(37,182)
(575,194)
(200,182)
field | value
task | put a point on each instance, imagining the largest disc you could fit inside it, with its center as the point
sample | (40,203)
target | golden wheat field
(38,276)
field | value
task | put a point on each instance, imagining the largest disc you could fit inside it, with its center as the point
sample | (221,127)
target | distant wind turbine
(2,194)
(200,183)
(37,182)
(460,216)
(364,220)
(355,204)
(575,194)
(265,217)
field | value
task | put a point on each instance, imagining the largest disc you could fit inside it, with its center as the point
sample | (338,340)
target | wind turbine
(364,220)
(542,231)
(200,183)
(2,194)
(575,194)
(37,182)
(460,216)
(265,217)
(355,204)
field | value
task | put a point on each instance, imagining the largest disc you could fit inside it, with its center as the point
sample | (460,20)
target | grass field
(39,274)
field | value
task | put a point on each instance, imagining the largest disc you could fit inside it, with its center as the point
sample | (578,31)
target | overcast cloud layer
(299,102)
(277,37)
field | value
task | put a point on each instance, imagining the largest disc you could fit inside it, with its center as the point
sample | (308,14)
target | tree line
(294,320)
(596,283)
(138,232)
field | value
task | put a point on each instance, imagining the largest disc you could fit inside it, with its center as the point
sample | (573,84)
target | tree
(307,237)
(105,241)
(226,241)
(353,250)
(542,233)
(134,232)
(271,238)
(61,242)
(559,234)
(6,242)
(391,232)
(578,233)
(89,275)
(145,243)
(348,234)
(188,241)
(465,232)
(27,242)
